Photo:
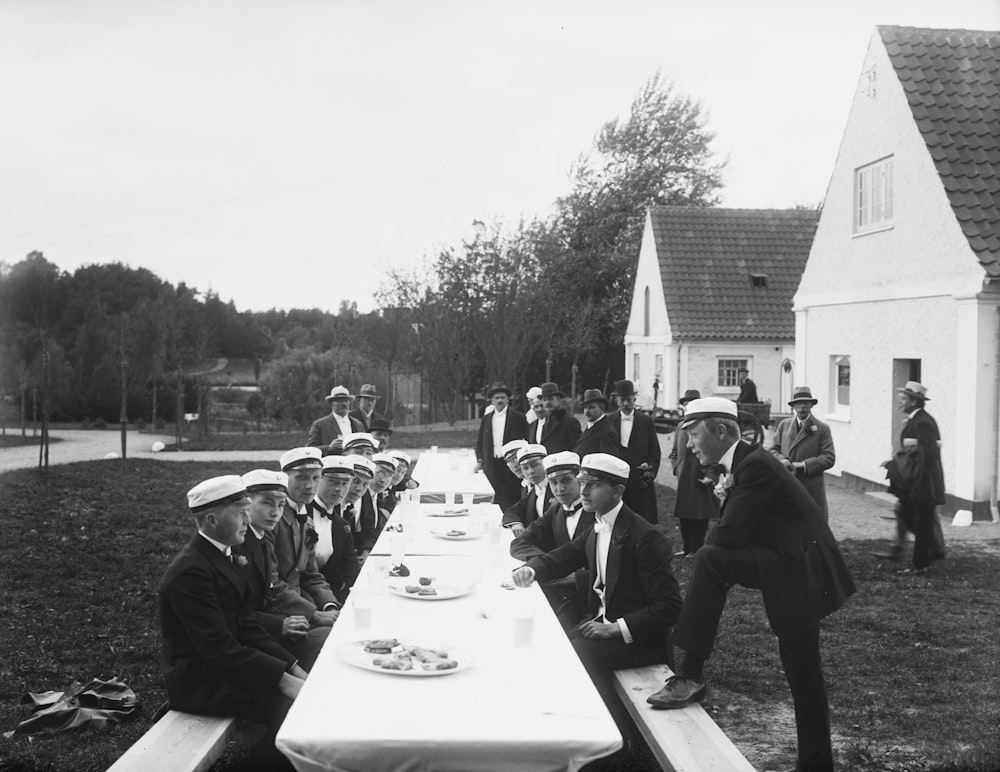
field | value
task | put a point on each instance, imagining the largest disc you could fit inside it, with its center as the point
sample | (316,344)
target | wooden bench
(178,742)
(683,740)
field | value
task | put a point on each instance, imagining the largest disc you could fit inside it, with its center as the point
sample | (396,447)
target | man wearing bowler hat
(600,436)
(364,412)
(498,427)
(771,536)
(804,445)
(639,446)
(918,497)
(327,432)
(558,430)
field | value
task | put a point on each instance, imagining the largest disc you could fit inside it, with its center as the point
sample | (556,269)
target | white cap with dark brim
(531,451)
(299,457)
(359,438)
(385,461)
(708,407)
(260,480)
(215,492)
(606,467)
(361,464)
(401,456)
(513,447)
(564,461)
(335,466)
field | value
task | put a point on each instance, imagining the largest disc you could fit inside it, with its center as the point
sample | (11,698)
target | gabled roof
(952,82)
(706,260)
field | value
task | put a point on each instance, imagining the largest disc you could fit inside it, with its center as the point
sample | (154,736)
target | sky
(289,153)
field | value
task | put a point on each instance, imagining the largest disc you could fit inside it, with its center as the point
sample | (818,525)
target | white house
(902,279)
(713,293)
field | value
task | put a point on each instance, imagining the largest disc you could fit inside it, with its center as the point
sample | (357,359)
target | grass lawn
(401,438)
(911,663)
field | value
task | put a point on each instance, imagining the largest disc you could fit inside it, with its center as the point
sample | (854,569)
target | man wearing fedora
(498,427)
(771,536)
(600,436)
(327,432)
(917,498)
(364,411)
(695,504)
(639,445)
(804,445)
(558,430)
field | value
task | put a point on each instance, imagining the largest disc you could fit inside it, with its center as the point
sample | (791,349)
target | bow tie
(572,510)
(626,417)
(600,526)
(302,519)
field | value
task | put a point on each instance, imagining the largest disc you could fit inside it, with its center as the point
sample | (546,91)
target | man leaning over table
(336,556)
(771,536)
(294,539)
(537,495)
(564,520)
(281,612)
(634,598)
(217,659)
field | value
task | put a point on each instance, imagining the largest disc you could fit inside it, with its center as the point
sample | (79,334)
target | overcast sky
(286,153)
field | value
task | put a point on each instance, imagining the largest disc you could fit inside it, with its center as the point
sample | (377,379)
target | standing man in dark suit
(641,448)
(563,521)
(634,597)
(804,445)
(327,432)
(600,436)
(498,427)
(918,498)
(771,536)
(558,430)
(748,389)
(217,659)
(279,611)
(364,412)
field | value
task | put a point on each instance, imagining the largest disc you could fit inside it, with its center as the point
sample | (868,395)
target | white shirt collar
(727,457)
(611,515)
(576,505)
(258,534)
(225,550)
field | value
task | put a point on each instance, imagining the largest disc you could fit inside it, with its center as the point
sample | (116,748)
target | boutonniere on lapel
(813,429)
(311,536)
(241,561)
(347,528)
(726,481)
(619,540)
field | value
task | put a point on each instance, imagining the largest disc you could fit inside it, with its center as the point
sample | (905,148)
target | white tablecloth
(420,526)
(514,709)
(450,471)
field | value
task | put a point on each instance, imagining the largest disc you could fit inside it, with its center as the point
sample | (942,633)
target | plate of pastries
(412,658)
(425,588)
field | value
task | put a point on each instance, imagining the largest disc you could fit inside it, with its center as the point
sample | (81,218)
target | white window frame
(873,196)
(840,392)
(636,359)
(733,364)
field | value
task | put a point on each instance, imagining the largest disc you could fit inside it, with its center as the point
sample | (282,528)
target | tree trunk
(155,392)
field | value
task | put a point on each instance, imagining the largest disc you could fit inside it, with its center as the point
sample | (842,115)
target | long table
(450,471)
(512,708)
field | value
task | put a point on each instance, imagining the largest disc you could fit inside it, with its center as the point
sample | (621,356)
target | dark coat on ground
(813,446)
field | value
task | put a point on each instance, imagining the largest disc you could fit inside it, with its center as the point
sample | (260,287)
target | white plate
(444,591)
(354,653)
(465,535)
(448,512)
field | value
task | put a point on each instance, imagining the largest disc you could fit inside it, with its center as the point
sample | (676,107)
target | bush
(100,423)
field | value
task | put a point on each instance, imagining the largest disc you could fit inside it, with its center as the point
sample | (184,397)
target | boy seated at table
(359,509)
(634,598)
(563,520)
(401,480)
(336,556)
(537,496)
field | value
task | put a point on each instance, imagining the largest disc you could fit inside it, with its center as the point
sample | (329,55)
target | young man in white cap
(385,470)
(359,510)
(364,411)
(336,556)
(360,444)
(500,426)
(401,479)
(537,496)
(634,597)
(563,521)
(294,538)
(326,431)
(217,659)
(804,445)
(278,610)
(641,448)
(510,451)
(771,536)
(600,436)
(917,497)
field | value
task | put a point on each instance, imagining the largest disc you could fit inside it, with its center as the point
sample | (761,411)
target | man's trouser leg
(800,658)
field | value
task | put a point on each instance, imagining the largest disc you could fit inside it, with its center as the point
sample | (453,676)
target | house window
(659,365)
(840,377)
(873,196)
(729,372)
(645,313)
(758,280)
(635,368)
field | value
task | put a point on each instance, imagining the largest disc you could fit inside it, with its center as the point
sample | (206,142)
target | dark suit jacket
(812,445)
(561,432)
(505,483)
(325,430)
(294,549)
(748,392)
(525,511)
(640,586)
(802,572)
(342,567)
(602,437)
(695,499)
(923,428)
(643,444)
(362,419)
(215,654)
(548,532)
(366,522)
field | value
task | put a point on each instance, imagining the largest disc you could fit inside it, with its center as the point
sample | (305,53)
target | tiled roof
(952,82)
(707,259)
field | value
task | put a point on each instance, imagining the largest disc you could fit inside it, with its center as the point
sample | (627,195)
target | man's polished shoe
(678,692)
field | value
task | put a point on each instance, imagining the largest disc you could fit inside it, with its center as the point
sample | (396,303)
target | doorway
(903,370)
